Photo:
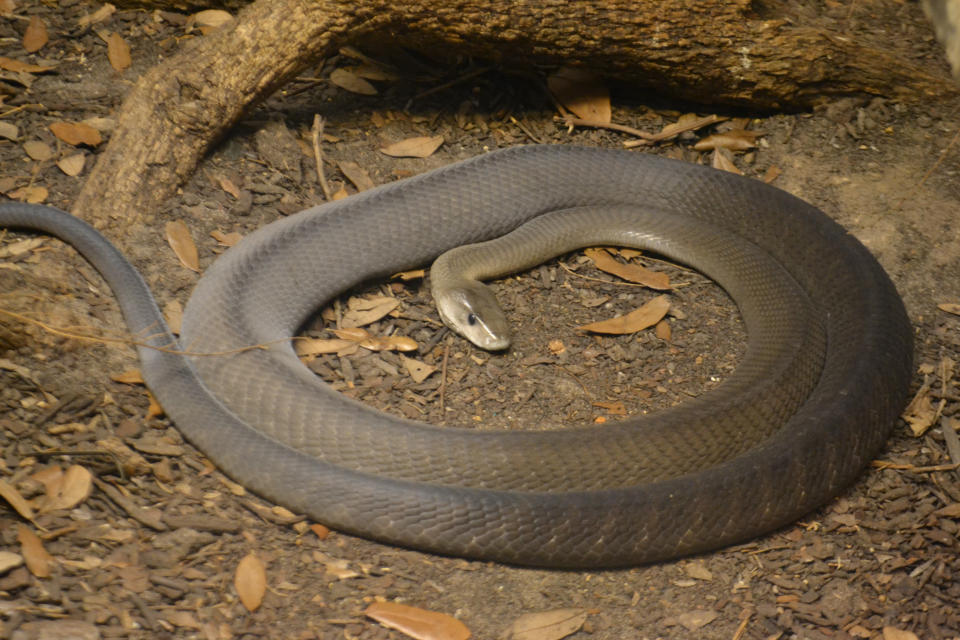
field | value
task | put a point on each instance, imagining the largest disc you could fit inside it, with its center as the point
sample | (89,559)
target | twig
(443,378)
(317,133)
(570,121)
(452,83)
(526,130)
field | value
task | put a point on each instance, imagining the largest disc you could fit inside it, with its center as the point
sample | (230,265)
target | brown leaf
(547,625)
(9,64)
(76,133)
(734,140)
(663,331)
(389,343)
(37,150)
(226,239)
(306,347)
(949,307)
(418,370)
(9,131)
(72,165)
(613,408)
(771,174)
(356,174)
(419,147)
(35,36)
(352,82)
(892,633)
(101,14)
(417,623)
(212,18)
(173,314)
(179,239)
(118,52)
(693,620)
(687,122)
(363,311)
(646,316)
(250,581)
(9,493)
(37,558)
(33,194)
(721,160)
(320,531)
(130,376)
(629,272)
(582,92)
(69,490)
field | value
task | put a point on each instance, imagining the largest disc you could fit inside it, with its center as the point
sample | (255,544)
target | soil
(152,553)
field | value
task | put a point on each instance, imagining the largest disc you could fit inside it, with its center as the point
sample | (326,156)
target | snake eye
(472,319)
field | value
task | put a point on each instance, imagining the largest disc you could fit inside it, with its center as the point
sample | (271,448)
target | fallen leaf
(130,376)
(9,560)
(72,165)
(7,7)
(356,174)
(226,239)
(646,316)
(9,493)
(417,623)
(687,122)
(37,558)
(101,14)
(228,185)
(363,311)
(76,133)
(250,581)
(949,307)
(173,314)
(352,82)
(37,150)
(771,174)
(613,408)
(9,131)
(698,571)
(418,370)
(949,511)
(356,334)
(179,239)
(35,36)
(118,52)
(546,625)
(132,463)
(721,160)
(71,488)
(663,331)
(696,619)
(419,147)
(582,92)
(212,18)
(182,619)
(629,272)
(892,633)
(320,531)
(734,140)
(9,64)
(406,276)
(305,347)
(34,194)
(389,343)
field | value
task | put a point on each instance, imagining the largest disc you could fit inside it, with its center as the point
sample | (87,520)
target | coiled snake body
(825,374)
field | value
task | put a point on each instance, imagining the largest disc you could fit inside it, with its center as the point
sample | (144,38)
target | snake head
(471,310)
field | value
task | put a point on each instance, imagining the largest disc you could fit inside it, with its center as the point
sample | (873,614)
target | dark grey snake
(822,382)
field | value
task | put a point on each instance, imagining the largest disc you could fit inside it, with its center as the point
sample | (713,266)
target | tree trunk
(733,52)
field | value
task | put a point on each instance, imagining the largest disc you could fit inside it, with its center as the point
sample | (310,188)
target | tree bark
(733,52)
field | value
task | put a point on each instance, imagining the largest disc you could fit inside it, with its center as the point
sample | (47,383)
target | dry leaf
(949,511)
(356,334)
(76,133)
(771,174)
(696,619)
(356,174)
(9,64)
(663,331)
(363,311)
(212,18)
(37,150)
(132,463)
(179,239)
(227,185)
(9,493)
(9,131)
(99,15)
(389,343)
(250,581)
(183,619)
(419,147)
(406,276)
(734,140)
(417,623)
(547,625)
(352,82)
(629,272)
(582,92)
(892,633)
(646,316)
(418,370)
(34,194)
(687,122)
(613,408)
(949,307)
(118,52)
(37,558)
(226,239)
(130,376)
(35,36)
(72,165)
(9,560)
(320,531)
(173,314)
(721,160)
(70,489)
(305,347)
(7,7)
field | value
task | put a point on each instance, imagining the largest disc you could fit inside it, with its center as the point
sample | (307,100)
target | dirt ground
(153,553)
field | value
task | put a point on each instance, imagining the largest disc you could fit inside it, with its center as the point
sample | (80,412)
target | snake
(824,376)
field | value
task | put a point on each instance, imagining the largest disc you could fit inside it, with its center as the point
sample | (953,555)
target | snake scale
(825,374)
